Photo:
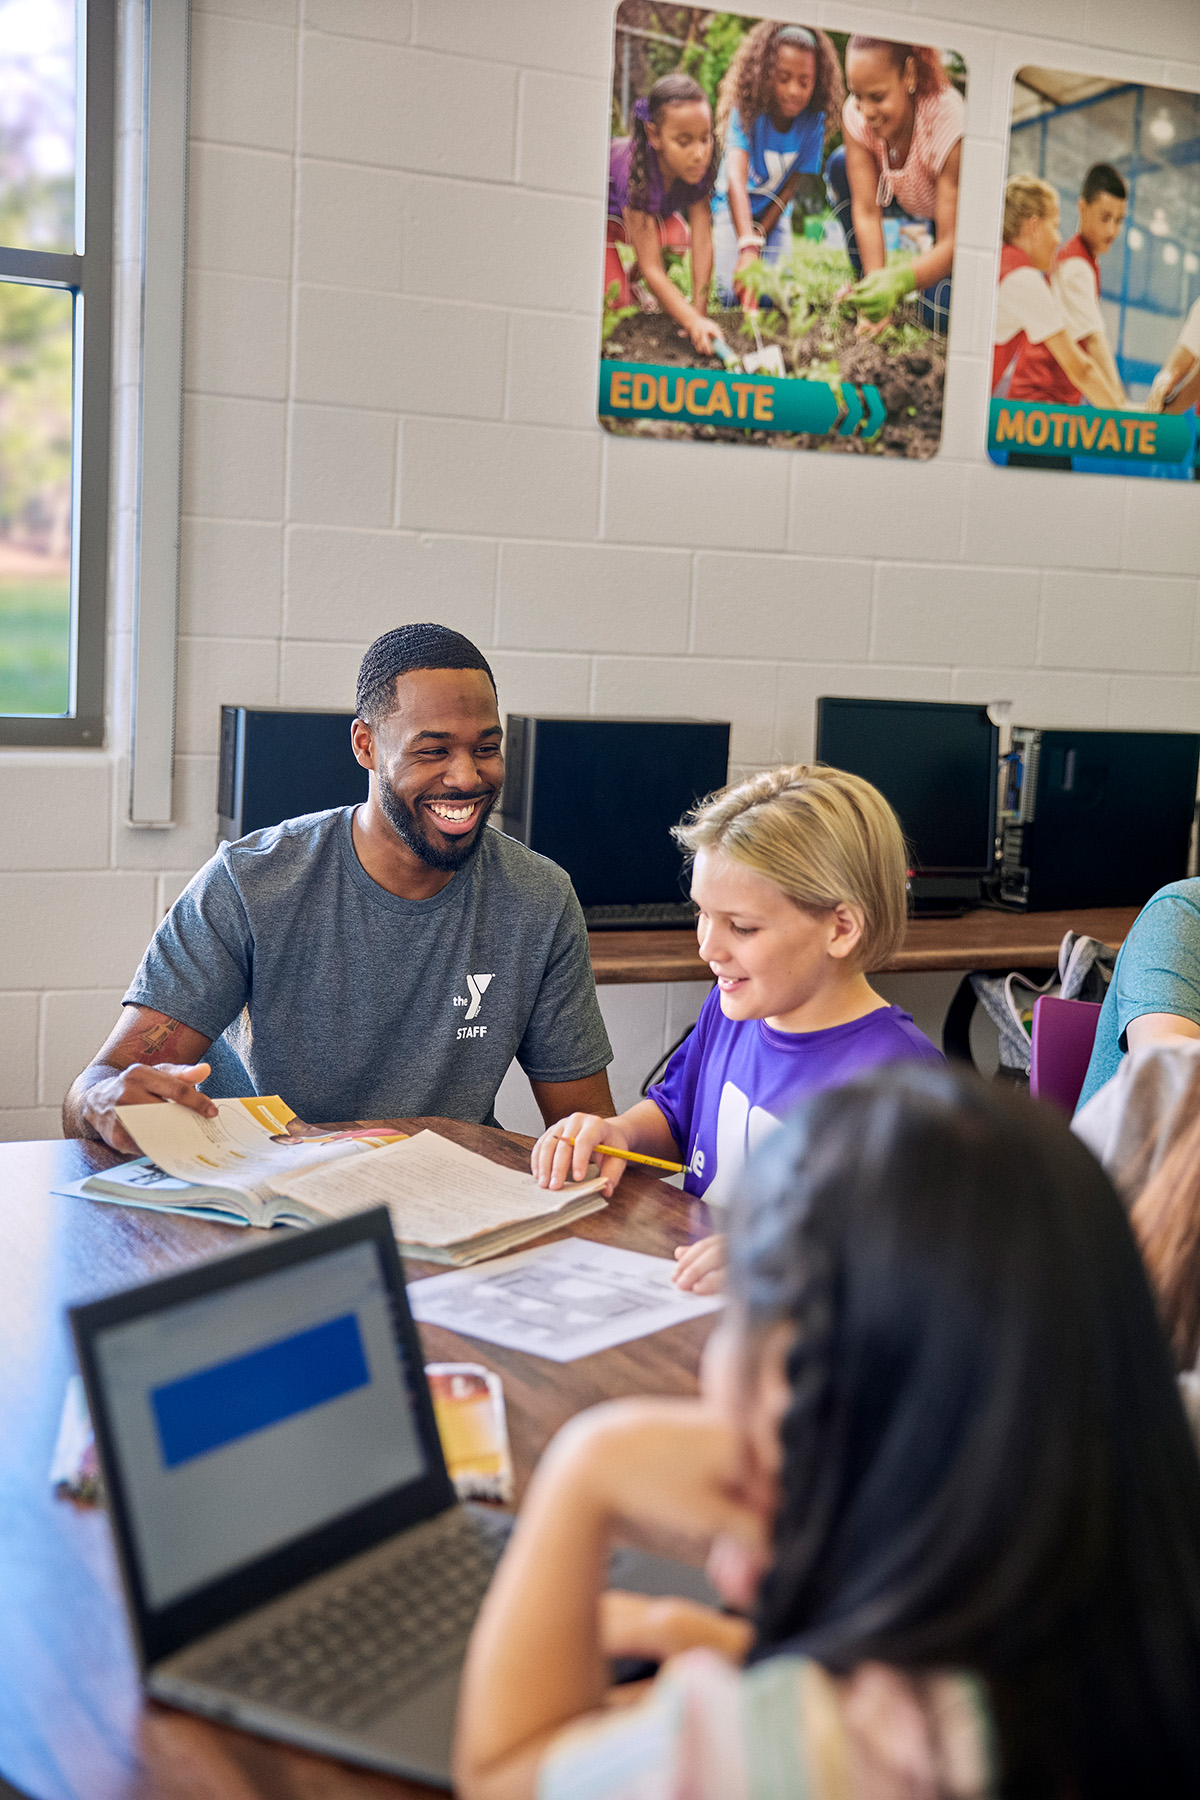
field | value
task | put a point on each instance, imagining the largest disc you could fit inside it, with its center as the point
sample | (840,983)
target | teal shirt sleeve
(1158,971)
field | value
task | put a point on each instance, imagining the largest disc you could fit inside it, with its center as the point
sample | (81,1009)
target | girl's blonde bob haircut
(823,837)
(1026,197)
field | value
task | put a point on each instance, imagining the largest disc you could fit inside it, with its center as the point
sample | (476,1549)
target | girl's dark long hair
(746,83)
(672,90)
(986,1463)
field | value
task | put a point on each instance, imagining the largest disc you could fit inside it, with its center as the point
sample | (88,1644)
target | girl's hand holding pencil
(563,1152)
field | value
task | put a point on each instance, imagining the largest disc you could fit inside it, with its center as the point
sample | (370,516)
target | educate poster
(779,249)
(1096,340)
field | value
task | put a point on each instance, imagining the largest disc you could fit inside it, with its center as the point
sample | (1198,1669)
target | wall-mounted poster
(1096,358)
(779,254)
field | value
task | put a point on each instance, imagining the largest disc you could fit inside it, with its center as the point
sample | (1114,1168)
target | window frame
(88,278)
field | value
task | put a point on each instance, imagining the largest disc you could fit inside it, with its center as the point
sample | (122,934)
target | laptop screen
(251,1416)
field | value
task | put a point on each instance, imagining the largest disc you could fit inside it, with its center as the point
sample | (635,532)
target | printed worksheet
(561,1301)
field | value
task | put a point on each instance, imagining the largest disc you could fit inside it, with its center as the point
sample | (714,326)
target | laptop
(294,1557)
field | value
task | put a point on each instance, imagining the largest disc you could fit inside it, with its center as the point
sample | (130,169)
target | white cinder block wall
(395,226)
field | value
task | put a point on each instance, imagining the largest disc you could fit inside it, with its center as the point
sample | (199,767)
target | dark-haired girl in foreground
(940,1458)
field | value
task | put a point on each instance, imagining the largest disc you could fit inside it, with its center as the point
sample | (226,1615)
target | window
(56,122)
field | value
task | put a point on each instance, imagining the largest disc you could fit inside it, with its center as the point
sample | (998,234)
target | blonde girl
(799,877)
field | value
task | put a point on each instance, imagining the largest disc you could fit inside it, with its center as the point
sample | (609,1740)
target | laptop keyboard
(363,1646)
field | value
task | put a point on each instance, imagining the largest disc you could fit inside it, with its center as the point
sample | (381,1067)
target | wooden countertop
(985,939)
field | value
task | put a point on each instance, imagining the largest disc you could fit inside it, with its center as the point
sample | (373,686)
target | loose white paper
(561,1301)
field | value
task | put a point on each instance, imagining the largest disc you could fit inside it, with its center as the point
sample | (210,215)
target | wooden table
(73,1721)
(984,939)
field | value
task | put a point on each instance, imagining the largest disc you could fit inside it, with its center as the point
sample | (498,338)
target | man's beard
(407,826)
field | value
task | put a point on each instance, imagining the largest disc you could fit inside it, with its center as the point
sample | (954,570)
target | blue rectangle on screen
(231,1400)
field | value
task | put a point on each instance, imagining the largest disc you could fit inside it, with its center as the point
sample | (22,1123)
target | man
(372,962)
(1075,281)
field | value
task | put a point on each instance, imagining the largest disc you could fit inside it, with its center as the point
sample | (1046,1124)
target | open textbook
(236,1168)
(242,1167)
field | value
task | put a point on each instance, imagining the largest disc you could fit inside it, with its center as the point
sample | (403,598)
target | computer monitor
(937,764)
(599,797)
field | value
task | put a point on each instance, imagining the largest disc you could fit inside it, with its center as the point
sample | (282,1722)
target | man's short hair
(1102,178)
(401,651)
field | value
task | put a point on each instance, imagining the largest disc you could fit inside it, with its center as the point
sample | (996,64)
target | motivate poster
(1096,343)
(779,249)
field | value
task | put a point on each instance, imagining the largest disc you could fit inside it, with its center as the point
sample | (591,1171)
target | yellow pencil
(650,1162)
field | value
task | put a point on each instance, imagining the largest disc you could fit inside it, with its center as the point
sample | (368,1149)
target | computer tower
(599,797)
(277,764)
(1095,818)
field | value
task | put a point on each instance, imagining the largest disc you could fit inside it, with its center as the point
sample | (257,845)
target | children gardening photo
(1096,352)
(780,240)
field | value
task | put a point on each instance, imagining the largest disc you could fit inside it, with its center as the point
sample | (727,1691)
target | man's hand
(138,1085)
(700,1267)
(554,1162)
(880,293)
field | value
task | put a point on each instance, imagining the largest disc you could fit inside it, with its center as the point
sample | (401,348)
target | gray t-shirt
(352,1003)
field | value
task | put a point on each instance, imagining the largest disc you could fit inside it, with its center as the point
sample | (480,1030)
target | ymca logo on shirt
(741,1128)
(478,986)
(778,168)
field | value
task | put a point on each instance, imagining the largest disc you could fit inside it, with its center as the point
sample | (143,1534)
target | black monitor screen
(936,763)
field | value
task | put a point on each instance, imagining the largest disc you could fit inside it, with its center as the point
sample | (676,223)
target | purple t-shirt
(681,195)
(731,1083)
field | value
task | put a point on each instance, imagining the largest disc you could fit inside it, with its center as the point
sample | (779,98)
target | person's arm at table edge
(147,1057)
(536,1661)
(550,1580)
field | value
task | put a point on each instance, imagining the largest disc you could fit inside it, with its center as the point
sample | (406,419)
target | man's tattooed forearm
(156,1037)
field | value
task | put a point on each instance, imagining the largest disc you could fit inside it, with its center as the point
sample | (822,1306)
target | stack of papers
(447,1204)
